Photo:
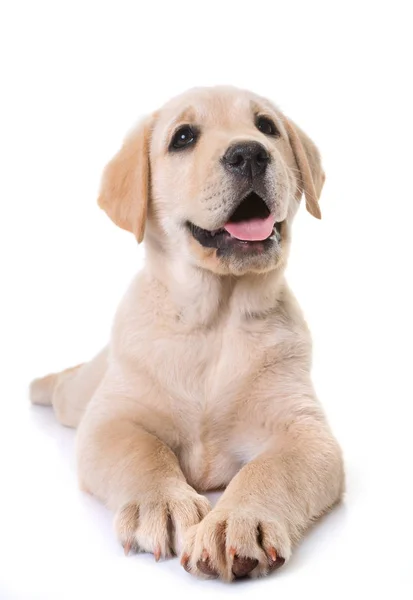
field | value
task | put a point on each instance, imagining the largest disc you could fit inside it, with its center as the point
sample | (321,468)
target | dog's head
(215,178)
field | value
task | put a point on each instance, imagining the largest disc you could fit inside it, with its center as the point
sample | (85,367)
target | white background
(74,77)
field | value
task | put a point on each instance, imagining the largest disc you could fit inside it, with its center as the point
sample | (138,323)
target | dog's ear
(308,161)
(124,192)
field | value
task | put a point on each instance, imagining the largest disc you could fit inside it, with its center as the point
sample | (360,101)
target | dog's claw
(185,561)
(232,552)
(272,554)
(204,556)
(157,553)
(127,548)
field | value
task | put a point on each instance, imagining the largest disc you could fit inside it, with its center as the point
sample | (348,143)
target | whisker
(294,169)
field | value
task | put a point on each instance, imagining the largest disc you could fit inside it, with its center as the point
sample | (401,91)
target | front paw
(231,544)
(158,521)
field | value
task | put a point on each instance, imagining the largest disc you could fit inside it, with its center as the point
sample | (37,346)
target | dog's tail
(70,391)
(42,390)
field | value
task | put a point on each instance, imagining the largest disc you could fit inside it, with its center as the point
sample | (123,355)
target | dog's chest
(202,369)
(201,381)
(206,375)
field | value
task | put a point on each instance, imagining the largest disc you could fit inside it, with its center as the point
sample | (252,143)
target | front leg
(138,476)
(268,505)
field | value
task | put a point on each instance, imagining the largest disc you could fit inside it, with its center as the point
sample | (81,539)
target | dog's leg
(139,477)
(268,505)
(70,391)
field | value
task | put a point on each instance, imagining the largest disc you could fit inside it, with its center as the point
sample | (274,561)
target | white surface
(75,76)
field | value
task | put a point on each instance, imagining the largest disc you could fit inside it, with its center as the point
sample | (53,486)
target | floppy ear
(308,161)
(124,192)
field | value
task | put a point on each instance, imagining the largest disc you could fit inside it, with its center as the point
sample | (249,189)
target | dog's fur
(206,381)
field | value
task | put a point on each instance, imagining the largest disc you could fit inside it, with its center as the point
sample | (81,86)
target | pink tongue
(253,230)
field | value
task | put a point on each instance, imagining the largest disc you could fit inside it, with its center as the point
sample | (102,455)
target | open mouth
(251,226)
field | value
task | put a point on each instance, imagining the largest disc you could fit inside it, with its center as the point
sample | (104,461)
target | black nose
(246,158)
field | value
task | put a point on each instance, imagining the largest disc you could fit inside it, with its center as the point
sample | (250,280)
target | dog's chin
(237,255)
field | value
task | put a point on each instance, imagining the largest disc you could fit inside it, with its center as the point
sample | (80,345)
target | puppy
(206,381)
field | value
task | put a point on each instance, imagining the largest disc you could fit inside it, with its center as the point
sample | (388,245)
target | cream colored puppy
(206,381)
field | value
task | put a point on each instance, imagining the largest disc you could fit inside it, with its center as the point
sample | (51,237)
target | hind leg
(69,392)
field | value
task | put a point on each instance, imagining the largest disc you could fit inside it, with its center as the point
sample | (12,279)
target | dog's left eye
(183,137)
(266,126)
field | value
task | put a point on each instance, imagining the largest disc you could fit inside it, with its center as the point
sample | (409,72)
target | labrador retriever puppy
(206,381)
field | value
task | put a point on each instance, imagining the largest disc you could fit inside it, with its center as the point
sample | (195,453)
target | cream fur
(206,381)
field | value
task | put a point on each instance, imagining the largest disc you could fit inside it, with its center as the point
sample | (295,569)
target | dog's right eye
(182,138)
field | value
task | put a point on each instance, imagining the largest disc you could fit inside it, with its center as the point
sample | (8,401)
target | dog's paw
(158,521)
(231,544)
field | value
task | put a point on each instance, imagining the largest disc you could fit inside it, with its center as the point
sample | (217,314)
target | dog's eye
(266,126)
(183,137)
